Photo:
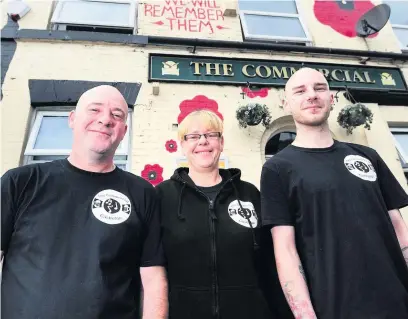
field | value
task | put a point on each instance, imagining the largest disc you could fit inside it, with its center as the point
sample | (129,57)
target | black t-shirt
(74,241)
(211,191)
(337,199)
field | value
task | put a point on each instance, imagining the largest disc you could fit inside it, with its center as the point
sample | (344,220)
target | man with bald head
(333,209)
(79,235)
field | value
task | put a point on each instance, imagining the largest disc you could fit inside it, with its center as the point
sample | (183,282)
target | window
(117,16)
(399,20)
(274,20)
(51,138)
(278,142)
(401,142)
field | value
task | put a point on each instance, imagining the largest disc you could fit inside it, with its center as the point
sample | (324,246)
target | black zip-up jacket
(217,267)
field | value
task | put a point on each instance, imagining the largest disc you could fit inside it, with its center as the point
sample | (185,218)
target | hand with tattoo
(301,309)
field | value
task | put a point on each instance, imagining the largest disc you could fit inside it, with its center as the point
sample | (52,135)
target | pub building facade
(169,57)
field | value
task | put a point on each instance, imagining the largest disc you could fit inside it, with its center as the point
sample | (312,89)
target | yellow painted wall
(153,116)
(37,18)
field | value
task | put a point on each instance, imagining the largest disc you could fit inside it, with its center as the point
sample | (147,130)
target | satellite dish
(373,20)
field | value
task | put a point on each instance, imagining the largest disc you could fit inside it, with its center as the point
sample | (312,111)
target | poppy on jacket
(342,16)
(153,174)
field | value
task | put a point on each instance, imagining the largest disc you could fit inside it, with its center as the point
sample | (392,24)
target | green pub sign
(226,71)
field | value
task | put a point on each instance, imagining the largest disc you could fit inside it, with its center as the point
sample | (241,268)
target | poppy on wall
(342,16)
(171,146)
(199,102)
(263,92)
(153,174)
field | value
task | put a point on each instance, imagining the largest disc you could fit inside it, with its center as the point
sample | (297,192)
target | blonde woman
(211,232)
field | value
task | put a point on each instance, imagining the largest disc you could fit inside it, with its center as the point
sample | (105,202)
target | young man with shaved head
(333,207)
(79,235)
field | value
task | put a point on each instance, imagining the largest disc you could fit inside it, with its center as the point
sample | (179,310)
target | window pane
(402,35)
(274,26)
(54,133)
(402,139)
(399,11)
(277,6)
(90,12)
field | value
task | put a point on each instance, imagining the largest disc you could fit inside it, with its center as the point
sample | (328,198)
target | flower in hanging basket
(253,114)
(355,115)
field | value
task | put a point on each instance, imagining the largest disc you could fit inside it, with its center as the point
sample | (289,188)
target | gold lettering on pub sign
(275,72)
(245,70)
(212,68)
(227,70)
(337,75)
(367,77)
(264,71)
(197,67)
(358,77)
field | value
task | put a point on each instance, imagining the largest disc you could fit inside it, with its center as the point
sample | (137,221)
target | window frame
(400,26)
(247,36)
(34,131)
(62,24)
(399,147)
(30,152)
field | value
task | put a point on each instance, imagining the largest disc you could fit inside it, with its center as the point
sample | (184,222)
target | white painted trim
(30,150)
(399,147)
(273,14)
(131,23)
(399,129)
(400,26)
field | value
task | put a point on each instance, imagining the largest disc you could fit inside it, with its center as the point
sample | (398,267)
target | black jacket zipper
(212,217)
(216,306)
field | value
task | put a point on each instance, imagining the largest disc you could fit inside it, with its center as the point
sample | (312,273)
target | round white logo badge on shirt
(241,217)
(111,207)
(360,167)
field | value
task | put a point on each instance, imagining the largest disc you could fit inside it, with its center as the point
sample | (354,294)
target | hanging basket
(355,115)
(253,114)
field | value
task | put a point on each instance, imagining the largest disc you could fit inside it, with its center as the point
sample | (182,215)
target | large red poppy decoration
(153,174)
(342,16)
(199,102)
(254,93)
